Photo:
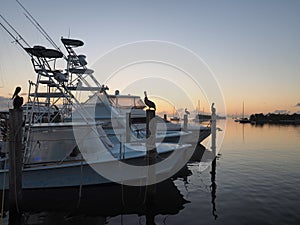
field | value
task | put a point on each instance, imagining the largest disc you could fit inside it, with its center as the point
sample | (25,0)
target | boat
(174,118)
(112,112)
(244,119)
(117,111)
(201,117)
(61,152)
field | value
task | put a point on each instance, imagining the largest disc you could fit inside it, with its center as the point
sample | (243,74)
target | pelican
(18,101)
(149,103)
(187,112)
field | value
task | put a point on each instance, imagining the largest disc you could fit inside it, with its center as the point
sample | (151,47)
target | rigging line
(10,33)
(39,29)
(81,183)
(15,38)
(45,35)
(11,27)
(42,29)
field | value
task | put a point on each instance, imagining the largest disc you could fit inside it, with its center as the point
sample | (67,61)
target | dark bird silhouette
(187,112)
(18,101)
(149,103)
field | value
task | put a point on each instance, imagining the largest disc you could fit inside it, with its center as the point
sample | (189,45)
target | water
(257,181)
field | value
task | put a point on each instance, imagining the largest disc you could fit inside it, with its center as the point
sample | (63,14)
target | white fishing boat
(118,111)
(60,151)
(113,115)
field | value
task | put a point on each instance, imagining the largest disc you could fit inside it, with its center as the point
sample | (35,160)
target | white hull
(194,134)
(198,134)
(82,174)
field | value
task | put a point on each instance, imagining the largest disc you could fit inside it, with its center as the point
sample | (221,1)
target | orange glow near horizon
(260,106)
(234,108)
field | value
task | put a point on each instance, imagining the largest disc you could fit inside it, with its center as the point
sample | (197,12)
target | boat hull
(43,176)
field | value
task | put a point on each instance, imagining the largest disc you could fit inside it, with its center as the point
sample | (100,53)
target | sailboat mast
(243,110)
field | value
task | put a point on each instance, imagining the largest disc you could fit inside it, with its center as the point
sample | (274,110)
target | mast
(173,111)
(243,110)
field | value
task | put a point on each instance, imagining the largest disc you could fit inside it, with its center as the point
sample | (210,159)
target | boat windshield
(126,101)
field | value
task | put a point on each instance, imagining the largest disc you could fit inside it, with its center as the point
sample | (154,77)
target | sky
(250,48)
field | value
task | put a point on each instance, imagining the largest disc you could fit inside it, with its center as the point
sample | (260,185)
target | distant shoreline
(272,118)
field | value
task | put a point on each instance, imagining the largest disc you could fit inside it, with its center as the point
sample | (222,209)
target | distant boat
(244,119)
(174,118)
(202,117)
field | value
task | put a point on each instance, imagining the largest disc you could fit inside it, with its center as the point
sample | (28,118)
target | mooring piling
(15,166)
(151,154)
(185,122)
(213,129)
(128,131)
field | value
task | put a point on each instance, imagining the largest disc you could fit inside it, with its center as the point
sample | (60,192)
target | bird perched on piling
(149,103)
(18,101)
(187,112)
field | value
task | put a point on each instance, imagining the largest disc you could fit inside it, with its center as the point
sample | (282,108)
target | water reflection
(254,136)
(102,203)
(213,188)
(113,204)
(204,159)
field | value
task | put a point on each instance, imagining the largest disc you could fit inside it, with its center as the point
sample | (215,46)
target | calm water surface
(257,181)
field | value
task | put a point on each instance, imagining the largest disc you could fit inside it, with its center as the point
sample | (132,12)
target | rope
(80,186)
(140,192)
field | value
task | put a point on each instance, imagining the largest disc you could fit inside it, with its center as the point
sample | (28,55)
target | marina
(101,121)
(73,126)
(57,142)
(247,177)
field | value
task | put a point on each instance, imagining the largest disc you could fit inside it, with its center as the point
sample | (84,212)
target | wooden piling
(151,154)
(165,117)
(15,166)
(213,129)
(128,131)
(185,122)
(151,133)
(213,185)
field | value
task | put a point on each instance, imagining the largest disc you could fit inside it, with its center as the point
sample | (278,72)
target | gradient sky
(253,47)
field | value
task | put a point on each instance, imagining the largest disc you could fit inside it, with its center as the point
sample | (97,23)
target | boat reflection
(111,204)
(98,204)
(202,156)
